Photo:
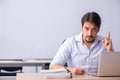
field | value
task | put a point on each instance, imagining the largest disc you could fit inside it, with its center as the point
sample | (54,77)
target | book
(56,73)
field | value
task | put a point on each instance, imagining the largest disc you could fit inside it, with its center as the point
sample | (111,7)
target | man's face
(89,32)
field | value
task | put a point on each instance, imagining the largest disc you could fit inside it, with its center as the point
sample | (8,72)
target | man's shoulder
(74,38)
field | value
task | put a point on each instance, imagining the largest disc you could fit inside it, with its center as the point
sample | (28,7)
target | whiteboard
(36,28)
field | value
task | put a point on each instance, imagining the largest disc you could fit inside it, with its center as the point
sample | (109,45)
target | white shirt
(76,53)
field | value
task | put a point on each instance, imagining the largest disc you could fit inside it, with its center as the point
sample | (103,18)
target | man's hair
(91,17)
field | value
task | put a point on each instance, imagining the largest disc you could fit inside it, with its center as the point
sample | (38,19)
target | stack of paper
(56,73)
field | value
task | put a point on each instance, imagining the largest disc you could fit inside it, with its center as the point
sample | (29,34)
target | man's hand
(76,71)
(107,42)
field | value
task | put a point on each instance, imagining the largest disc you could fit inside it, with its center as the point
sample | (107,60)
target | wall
(36,28)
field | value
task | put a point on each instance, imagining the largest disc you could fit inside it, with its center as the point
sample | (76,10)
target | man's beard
(89,39)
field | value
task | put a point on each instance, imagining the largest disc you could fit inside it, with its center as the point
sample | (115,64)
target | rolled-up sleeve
(63,53)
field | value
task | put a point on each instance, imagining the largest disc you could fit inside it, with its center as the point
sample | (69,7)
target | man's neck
(88,44)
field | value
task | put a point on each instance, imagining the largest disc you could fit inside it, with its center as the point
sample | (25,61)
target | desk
(36,76)
(7,78)
(40,62)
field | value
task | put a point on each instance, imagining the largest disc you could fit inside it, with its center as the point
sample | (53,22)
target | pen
(69,72)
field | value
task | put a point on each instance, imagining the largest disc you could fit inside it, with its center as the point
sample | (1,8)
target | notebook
(60,73)
(109,64)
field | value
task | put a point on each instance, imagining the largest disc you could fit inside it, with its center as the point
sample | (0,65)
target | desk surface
(36,76)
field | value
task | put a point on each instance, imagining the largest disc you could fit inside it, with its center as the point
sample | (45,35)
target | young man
(81,52)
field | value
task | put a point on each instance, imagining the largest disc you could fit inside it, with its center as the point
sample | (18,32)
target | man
(81,52)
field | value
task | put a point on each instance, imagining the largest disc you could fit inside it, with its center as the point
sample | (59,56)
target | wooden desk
(36,76)
(40,62)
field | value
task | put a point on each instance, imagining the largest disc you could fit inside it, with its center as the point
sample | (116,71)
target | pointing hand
(107,42)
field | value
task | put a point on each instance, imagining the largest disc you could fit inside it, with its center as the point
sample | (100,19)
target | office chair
(10,71)
(47,65)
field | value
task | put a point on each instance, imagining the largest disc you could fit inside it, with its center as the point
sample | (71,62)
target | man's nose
(89,32)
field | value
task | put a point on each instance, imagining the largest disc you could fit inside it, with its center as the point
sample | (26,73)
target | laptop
(109,64)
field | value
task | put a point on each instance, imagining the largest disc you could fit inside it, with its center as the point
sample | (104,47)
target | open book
(56,73)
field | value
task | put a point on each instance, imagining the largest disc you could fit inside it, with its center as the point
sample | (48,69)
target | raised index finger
(108,37)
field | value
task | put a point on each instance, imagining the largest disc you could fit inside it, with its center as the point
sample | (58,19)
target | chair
(47,65)
(10,71)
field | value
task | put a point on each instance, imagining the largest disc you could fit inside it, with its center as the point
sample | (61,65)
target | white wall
(36,28)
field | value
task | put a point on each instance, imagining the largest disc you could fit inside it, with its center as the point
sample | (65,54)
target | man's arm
(77,70)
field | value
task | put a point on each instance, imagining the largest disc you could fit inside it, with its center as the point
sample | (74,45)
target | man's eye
(94,29)
(86,29)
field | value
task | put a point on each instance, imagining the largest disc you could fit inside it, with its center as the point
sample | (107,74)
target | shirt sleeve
(63,53)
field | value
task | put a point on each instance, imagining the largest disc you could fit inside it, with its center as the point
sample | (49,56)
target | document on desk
(56,73)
